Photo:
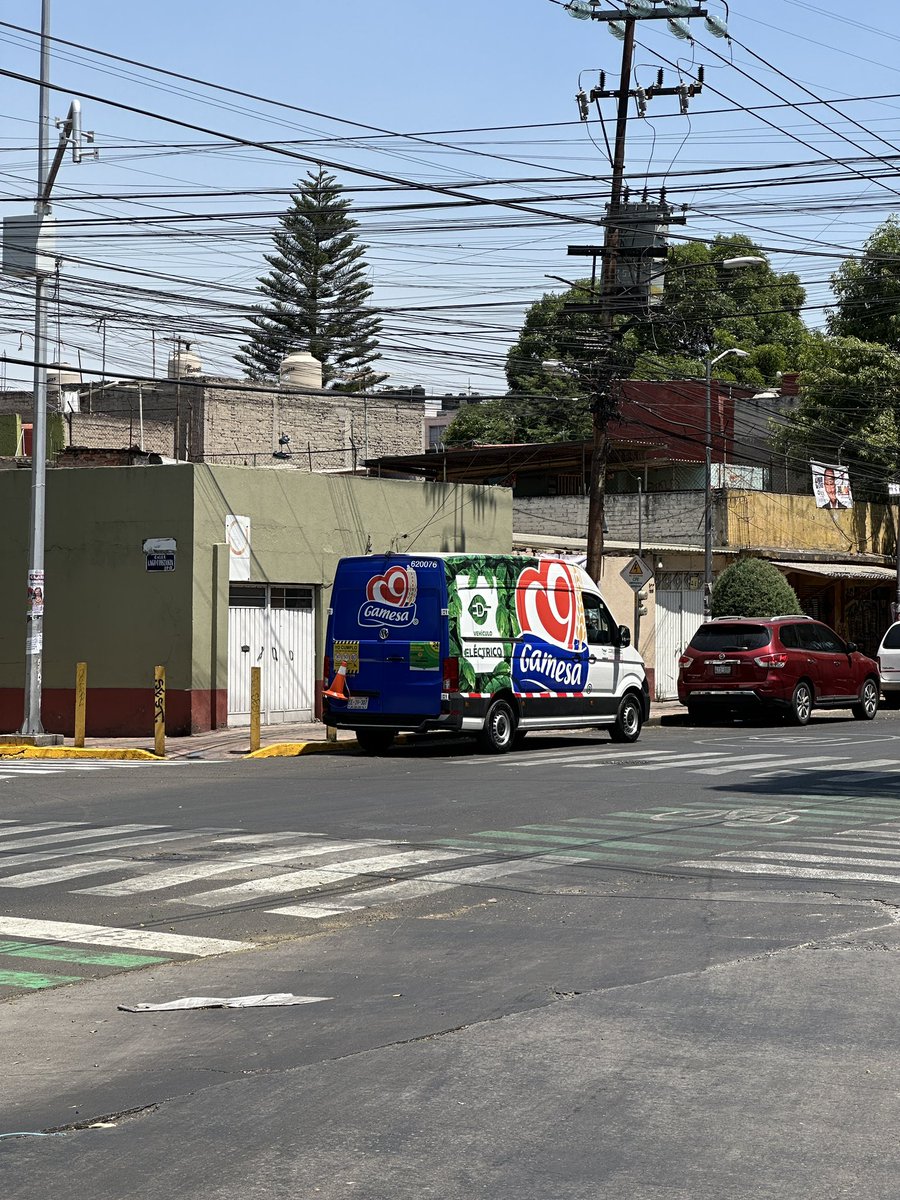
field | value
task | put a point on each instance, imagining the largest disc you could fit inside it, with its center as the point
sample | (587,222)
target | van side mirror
(624,637)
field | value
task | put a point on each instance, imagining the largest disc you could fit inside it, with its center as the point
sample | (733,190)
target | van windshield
(709,638)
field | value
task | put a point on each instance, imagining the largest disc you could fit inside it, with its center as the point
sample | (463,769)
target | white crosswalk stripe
(295,881)
(174,876)
(858,855)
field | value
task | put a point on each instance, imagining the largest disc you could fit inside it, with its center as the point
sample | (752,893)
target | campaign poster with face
(831,486)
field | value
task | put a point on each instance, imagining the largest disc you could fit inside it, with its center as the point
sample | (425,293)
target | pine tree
(317,294)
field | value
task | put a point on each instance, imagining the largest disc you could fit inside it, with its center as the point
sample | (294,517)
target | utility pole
(42,268)
(622,24)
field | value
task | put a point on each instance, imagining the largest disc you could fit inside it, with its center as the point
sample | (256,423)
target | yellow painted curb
(13,751)
(294,749)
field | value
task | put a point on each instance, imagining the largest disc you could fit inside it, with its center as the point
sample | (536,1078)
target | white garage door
(271,626)
(679,614)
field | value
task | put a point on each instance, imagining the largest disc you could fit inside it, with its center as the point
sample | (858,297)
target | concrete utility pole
(621,23)
(46,174)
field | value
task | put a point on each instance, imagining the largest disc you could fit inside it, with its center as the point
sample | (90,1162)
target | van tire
(375,741)
(499,731)
(891,699)
(629,719)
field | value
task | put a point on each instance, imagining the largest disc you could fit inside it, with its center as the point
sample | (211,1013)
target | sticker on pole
(636,573)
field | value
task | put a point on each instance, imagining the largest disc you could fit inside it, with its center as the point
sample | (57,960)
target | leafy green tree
(752,587)
(317,295)
(707,306)
(868,290)
(849,406)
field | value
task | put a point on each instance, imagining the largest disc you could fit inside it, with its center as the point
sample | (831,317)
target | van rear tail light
(772,661)
(685,661)
(326,670)
(451,675)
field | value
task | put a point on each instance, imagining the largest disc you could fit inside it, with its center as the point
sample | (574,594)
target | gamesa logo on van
(391,599)
(551,656)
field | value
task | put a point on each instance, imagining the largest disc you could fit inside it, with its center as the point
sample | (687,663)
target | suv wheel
(801,703)
(867,707)
(629,718)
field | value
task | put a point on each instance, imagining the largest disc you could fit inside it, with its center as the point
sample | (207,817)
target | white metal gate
(679,614)
(271,626)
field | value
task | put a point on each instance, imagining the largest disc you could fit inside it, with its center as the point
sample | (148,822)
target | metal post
(80,702)
(159,711)
(255,694)
(897,540)
(34,635)
(707,502)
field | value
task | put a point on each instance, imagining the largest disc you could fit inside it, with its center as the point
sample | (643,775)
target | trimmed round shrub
(752,587)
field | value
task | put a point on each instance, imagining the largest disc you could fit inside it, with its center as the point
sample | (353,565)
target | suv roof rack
(793,617)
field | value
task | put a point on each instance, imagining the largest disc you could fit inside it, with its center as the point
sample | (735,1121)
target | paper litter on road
(267,1000)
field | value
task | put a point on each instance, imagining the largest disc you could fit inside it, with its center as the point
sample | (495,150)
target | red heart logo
(546,603)
(390,588)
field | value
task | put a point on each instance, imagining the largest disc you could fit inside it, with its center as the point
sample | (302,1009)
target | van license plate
(358,702)
(721,669)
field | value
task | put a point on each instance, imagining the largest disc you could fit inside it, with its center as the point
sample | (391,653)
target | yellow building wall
(764,520)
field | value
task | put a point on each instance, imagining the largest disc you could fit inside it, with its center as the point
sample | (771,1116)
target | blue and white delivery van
(489,645)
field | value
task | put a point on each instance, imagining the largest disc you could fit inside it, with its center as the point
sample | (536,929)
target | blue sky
(454,283)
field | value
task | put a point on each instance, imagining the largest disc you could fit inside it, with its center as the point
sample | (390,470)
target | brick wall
(668,517)
(105,431)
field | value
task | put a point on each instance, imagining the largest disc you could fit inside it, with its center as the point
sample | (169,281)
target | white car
(889,666)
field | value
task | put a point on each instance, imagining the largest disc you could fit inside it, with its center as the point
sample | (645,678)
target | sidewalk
(232,744)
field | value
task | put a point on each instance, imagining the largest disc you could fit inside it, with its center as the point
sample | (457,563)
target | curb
(295,749)
(14,751)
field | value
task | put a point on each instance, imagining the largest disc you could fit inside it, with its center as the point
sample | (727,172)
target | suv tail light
(451,675)
(685,660)
(772,661)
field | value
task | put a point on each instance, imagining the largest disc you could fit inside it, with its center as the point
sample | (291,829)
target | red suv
(794,664)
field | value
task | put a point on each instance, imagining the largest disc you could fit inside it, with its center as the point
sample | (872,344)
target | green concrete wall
(301,524)
(102,605)
(10,434)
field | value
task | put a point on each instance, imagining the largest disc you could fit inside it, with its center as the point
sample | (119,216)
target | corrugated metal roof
(842,570)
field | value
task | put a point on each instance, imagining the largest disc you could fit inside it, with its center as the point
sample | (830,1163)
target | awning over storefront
(858,572)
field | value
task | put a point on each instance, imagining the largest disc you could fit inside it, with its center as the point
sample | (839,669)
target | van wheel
(892,699)
(801,704)
(867,707)
(629,719)
(499,729)
(375,741)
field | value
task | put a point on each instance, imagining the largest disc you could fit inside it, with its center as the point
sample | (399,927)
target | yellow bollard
(159,711)
(80,701)
(255,692)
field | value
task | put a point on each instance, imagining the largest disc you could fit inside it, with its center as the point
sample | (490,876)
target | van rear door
(387,624)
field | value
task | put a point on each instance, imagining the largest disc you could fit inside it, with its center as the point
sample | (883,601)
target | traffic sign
(636,573)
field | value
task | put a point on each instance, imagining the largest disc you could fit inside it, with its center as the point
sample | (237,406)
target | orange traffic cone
(338,688)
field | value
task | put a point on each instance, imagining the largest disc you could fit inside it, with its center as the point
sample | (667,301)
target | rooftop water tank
(62,375)
(301,369)
(184,362)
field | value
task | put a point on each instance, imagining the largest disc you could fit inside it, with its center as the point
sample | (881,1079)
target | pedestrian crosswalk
(763,764)
(70,871)
(28,768)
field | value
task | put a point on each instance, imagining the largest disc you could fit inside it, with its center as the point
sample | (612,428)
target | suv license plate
(721,669)
(358,702)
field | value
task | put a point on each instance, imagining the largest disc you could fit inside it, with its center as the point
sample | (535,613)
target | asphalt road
(666,970)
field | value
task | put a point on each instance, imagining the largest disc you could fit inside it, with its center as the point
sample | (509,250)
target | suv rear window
(892,638)
(712,637)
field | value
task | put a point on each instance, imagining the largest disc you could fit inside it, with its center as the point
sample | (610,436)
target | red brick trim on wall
(120,712)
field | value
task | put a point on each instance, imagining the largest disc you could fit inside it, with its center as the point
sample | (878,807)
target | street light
(707,517)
